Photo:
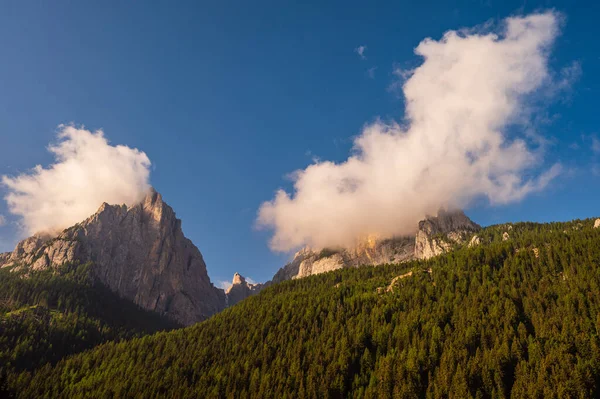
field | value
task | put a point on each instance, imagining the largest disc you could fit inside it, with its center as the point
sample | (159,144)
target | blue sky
(227,98)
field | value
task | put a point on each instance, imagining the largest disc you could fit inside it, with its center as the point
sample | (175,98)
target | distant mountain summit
(241,289)
(307,262)
(139,252)
(434,236)
(437,235)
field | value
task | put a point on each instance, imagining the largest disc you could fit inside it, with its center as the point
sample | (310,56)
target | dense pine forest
(46,315)
(514,317)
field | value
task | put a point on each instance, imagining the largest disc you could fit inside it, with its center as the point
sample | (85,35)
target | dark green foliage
(493,321)
(326,252)
(46,315)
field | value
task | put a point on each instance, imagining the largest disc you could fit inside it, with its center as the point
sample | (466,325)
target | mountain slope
(138,252)
(513,316)
(48,314)
(434,235)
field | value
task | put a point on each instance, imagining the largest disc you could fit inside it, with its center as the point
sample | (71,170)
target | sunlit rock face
(241,289)
(437,235)
(433,236)
(139,252)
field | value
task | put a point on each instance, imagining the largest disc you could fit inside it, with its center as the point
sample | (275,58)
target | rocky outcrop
(597,223)
(434,236)
(4,257)
(439,234)
(475,241)
(395,280)
(241,289)
(371,252)
(139,252)
(25,252)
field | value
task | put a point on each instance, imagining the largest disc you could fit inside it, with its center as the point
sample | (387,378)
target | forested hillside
(516,316)
(46,315)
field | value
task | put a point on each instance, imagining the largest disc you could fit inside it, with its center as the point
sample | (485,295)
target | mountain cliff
(437,235)
(307,262)
(434,236)
(139,252)
(241,289)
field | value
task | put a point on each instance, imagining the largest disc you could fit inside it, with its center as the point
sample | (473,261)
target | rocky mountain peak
(434,235)
(238,279)
(139,252)
(438,234)
(241,289)
(28,245)
(446,222)
(154,206)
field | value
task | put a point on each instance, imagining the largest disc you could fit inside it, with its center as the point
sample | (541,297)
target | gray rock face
(372,252)
(24,252)
(437,235)
(434,236)
(142,254)
(4,257)
(475,240)
(139,253)
(241,289)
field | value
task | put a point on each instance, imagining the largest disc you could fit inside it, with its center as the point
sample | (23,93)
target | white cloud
(453,146)
(87,171)
(371,72)
(224,285)
(2,220)
(569,75)
(360,50)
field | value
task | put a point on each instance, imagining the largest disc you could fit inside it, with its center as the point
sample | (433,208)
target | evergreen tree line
(518,318)
(49,314)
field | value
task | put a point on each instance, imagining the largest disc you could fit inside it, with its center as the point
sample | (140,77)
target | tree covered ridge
(516,318)
(48,314)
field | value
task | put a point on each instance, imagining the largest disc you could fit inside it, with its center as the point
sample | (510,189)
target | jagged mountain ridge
(437,235)
(307,262)
(434,236)
(139,252)
(241,289)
